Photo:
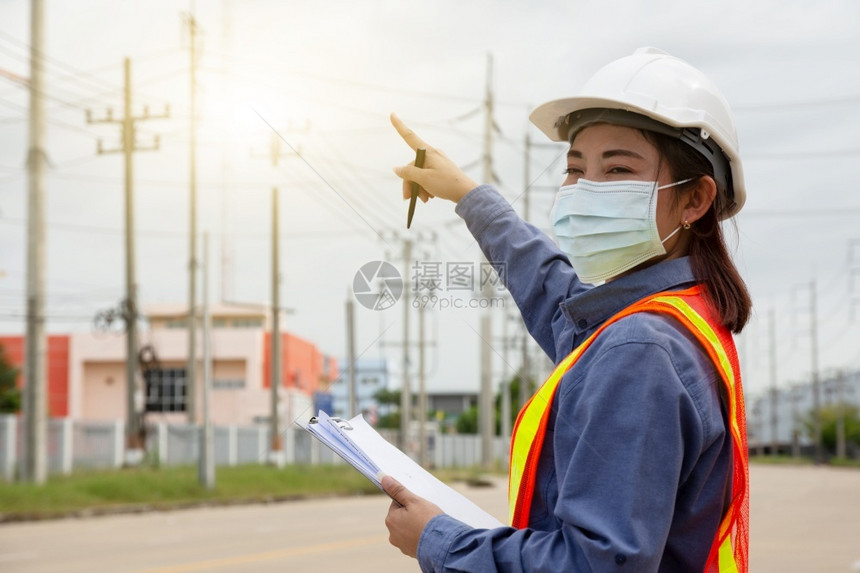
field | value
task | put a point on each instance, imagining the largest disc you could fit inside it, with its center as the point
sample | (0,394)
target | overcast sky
(328,74)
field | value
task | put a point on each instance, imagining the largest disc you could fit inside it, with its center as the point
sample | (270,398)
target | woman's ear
(699,199)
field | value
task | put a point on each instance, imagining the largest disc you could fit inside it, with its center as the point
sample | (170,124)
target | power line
(794,155)
(350,83)
(791,105)
(55,122)
(85,79)
(774,213)
(18,316)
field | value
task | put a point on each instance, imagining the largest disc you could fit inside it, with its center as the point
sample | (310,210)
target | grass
(780,460)
(845,463)
(783,460)
(161,488)
(143,488)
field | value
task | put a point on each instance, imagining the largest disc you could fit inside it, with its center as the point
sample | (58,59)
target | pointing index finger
(410,137)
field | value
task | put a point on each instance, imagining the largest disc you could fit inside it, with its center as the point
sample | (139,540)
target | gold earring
(686,225)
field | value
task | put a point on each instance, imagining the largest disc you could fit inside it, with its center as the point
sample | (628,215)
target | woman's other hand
(407,516)
(439,177)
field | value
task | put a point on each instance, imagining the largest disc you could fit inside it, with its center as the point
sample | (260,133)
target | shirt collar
(587,310)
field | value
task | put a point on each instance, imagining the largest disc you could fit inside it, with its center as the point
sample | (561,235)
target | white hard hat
(653,90)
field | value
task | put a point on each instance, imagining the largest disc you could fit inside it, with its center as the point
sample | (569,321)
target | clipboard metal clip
(344,424)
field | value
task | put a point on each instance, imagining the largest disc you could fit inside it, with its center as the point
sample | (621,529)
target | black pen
(419,162)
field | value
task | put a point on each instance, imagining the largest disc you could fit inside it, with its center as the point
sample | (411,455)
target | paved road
(804,519)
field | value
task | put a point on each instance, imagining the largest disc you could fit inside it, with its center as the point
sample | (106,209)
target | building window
(370,381)
(176,322)
(247,323)
(165,389)
(228,383)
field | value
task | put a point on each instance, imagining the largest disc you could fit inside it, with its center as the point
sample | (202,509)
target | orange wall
(302,365)
(57,369)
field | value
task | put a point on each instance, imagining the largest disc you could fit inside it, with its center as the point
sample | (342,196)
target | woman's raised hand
(439,177)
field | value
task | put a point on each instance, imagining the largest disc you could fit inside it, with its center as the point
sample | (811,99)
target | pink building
(86,371)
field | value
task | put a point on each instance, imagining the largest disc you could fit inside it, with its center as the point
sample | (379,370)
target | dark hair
(709,256)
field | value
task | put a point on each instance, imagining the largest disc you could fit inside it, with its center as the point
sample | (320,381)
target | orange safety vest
(730,547)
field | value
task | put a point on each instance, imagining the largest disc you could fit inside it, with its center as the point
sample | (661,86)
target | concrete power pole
(405,390)
(276,455)
(276,450)
(227,253)
(505,390)
(133,443)
(191,380)
(840,420)
(352,406)
(206,464)
(35,397)
(485,399)
(525,374)
(816,387)
(422,391)
(774,441)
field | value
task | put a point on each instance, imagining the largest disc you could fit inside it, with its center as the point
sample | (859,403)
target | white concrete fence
(74,445)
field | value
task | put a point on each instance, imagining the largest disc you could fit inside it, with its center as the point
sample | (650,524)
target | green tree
(514,392)
(390,399)
(467,423)
(829,419)
(10,395)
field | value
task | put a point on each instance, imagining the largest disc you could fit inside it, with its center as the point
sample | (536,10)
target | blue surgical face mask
(606,228)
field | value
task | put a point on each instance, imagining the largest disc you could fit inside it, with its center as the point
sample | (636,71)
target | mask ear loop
(672,234)
(676,183)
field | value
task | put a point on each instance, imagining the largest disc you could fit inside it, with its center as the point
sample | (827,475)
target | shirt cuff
(435,541)
(480,207)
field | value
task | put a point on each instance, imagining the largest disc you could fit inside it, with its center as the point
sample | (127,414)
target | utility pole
(840,418)
(405,390)
(795,433)
(525,373)
(35,396)
(774,441)
(191,380)
(422,391)
(485,400)
(227,253)
(350,356)
(504,389)
(816,388)
(206,467)
(134,445)
(853,277)
(406,394)
(276,451)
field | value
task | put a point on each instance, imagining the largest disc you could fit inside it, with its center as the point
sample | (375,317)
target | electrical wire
(181,235)
(85,79)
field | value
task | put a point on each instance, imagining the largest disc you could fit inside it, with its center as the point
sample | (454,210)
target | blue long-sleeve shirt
(635,469)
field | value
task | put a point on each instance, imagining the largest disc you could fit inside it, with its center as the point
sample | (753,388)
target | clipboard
(373,456)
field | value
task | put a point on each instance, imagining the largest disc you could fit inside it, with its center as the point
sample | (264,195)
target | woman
(633,453)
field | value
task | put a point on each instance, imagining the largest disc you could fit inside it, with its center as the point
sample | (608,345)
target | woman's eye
(571,171)
(619,170)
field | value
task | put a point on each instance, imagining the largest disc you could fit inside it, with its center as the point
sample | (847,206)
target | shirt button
(582,323)
(620,559)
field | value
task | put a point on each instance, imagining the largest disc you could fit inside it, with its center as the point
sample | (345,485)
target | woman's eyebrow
(622,153)
(608,154)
